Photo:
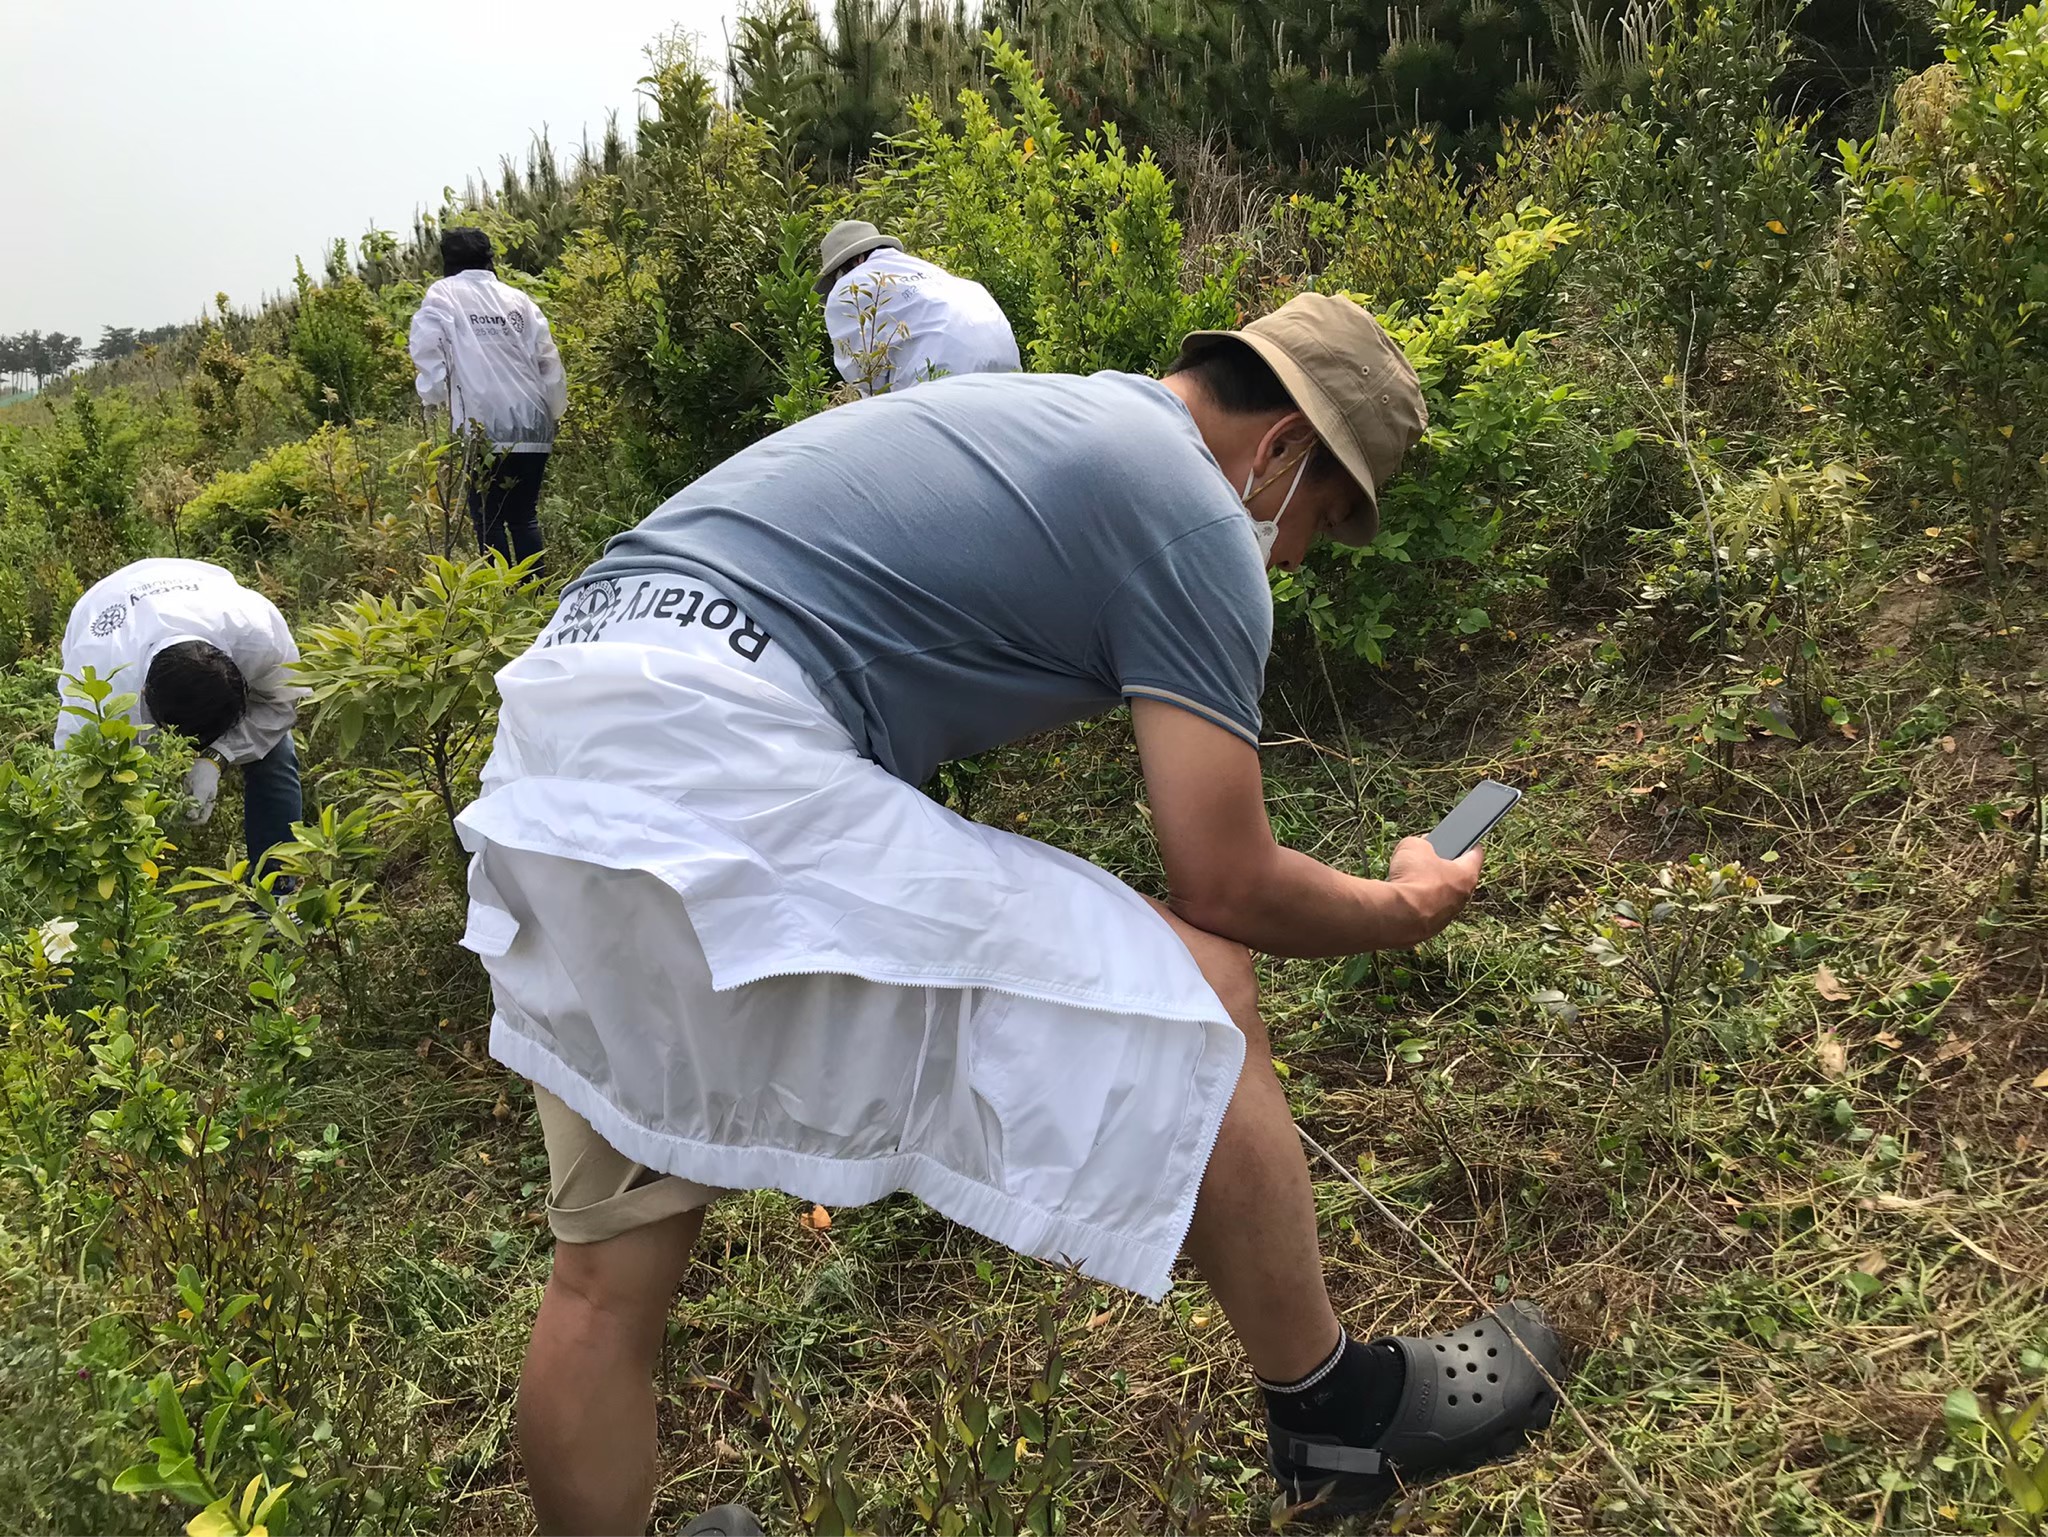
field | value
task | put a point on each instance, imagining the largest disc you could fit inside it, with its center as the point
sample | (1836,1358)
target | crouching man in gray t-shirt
(731,944)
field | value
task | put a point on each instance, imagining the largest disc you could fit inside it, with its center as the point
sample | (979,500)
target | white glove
(203,785)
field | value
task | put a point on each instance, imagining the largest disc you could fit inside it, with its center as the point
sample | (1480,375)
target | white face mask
(1265,531)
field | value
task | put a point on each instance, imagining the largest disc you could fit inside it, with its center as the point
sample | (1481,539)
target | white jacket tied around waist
(898,320)
(750,957)
(121,624)
(483,349)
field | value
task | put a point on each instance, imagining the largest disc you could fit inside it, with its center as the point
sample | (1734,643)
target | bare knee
(619,1290)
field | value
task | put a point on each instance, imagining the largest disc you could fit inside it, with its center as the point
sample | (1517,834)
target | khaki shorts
(595,1192)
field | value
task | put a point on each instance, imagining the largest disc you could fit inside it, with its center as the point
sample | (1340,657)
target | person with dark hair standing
(205,657)
(483,349)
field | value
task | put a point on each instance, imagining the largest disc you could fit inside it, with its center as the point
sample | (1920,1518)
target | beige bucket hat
(1349,378)
(843,242)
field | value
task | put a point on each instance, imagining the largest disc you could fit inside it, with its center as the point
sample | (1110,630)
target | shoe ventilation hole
(1454,1400)
(1471,1366)
(1463,1346)
(1491,1351)
(1493,1376)
(1439,1350)
(1477,1399)
(1479,1334)
(1451,1372)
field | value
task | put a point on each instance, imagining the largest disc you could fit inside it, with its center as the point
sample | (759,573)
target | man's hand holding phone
(1434,889)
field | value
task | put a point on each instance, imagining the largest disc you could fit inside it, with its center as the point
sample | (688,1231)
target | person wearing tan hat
(733,946)
(896,319)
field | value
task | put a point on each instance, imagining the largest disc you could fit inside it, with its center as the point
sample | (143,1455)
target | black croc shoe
(1471,1396)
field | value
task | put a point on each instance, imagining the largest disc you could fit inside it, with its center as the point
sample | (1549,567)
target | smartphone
(1473,817)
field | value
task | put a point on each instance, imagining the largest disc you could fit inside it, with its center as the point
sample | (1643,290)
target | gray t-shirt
(983,557)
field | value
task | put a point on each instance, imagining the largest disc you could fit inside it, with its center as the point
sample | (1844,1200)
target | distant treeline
(40,356)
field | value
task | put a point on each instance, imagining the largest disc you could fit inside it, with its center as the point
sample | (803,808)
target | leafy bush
(1439,557)
(86,831)
(353,357)
(1945,341)
(1708,196)
(660,301)
(38,584)
(257,503)
(1075,238)
(1398,227)
(410,678)
(78,477)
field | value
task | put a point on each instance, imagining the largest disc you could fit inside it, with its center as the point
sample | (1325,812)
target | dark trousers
(271,800)
(504,504)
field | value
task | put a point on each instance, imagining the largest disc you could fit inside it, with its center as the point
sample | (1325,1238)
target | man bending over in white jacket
(896,320)
(205,657)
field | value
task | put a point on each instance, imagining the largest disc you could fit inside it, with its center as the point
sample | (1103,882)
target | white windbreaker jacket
(483,349)
(898,320)
(120,625)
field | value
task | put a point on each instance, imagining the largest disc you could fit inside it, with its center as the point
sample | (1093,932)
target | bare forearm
(1294,905)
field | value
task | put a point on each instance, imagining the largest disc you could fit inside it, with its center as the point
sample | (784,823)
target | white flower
(56,942)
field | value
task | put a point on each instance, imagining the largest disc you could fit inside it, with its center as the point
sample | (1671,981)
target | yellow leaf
(1825,984)
(1030,146)
(2041,1079)
(1933,531)
(1775,227)
(1708,263)
(107,885)
(1833,1055)
(817,1219)
(2005,432)
(214,1521)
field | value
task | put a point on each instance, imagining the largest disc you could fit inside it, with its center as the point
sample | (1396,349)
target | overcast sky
(153,152)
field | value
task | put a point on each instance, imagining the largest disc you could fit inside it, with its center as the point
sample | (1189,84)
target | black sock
(1353,1395)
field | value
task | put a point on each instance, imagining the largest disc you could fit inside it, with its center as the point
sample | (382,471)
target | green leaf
(143,1478)
(182,1479)
(2027,1486)
(272,1503)
(170,1414)
(1961,1408)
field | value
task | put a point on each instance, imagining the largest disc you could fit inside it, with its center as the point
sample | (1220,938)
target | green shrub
(410,678)
(659,301)
(1945,339)
(38,585)
(353,358)
(76,476)
(1438,559)
(253,504)
(1075,238)
(1707,193)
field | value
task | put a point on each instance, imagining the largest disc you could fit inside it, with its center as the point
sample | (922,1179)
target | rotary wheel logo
(110,619)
